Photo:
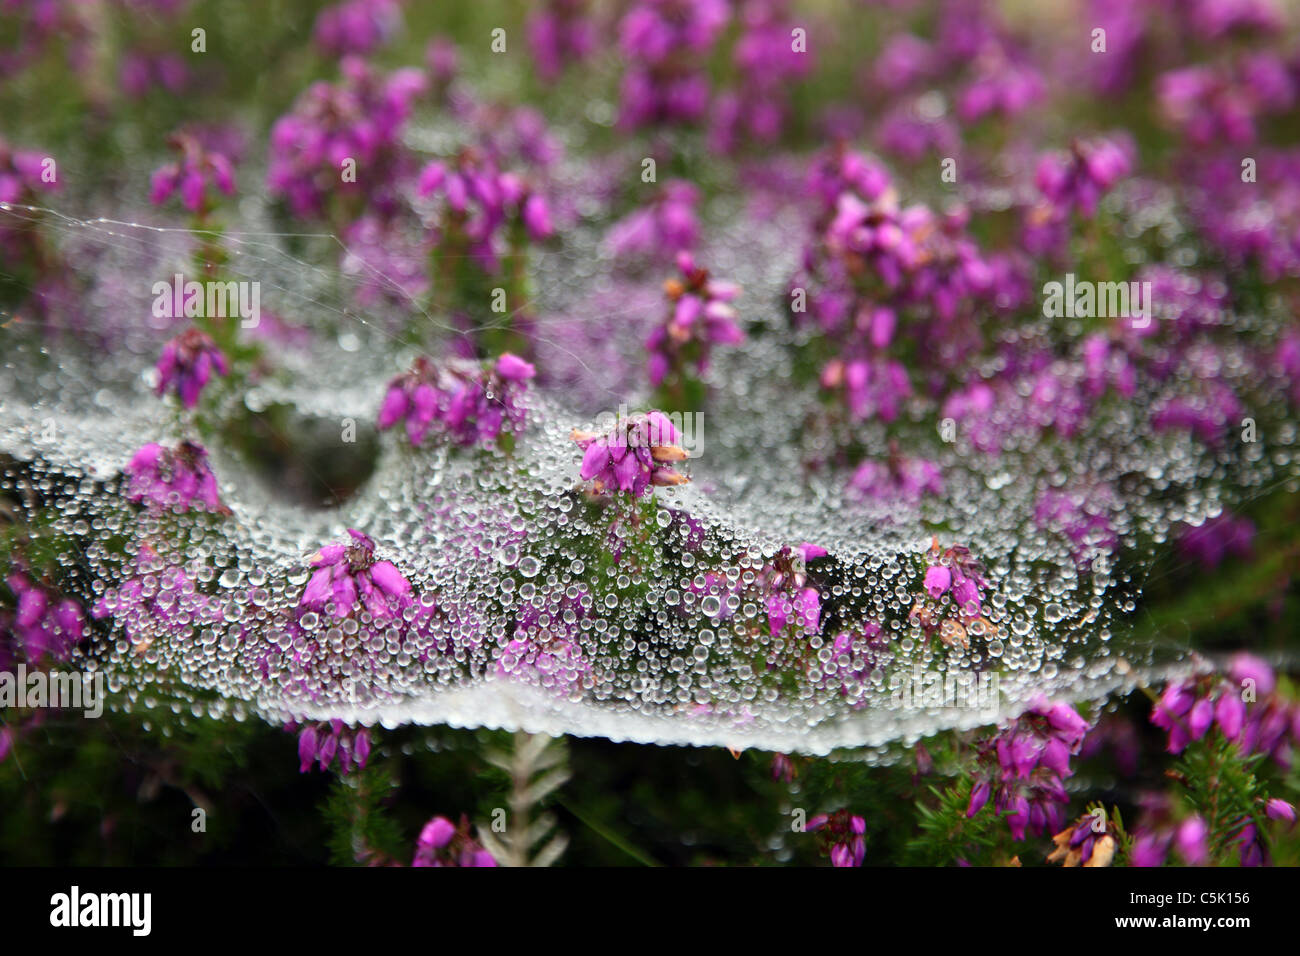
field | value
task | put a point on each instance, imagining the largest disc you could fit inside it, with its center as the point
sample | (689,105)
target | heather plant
(306,442)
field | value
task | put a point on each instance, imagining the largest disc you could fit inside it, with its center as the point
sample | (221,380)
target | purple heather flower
(43,624)
(552,662)
(356,26)
(321,743)
(176,479)
(384,261)
(898,479)
(1082,516)
(874,388)
(560,33)
(187,363)
(663,43)
(639,453)
(1077,181)
(437,833)
(141,72)
(1250,849)
(1220,104)
(1278,809)
(480,201)
(156,598)
(937,580)
(21,174)
(441,843)
(905,60)
(1149,849)
(469,404)
(804,607)
(661,228)
(768,65)
(700,316)
(1247,667)
(443,60)
(360,119)
(1082,845)
(193,175)
(1024,765)
(783,768)
(348,577)
(1200,717)
(1000,86)
(1214,19)
(842,834)
(1208,415)
(1230,713)
(1187,709)
(1190,841)
(1169,713)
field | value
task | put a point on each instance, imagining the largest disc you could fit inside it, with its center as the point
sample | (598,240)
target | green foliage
(361,831)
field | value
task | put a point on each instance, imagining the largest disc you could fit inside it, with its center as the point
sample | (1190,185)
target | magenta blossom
(664,43)
(356,26)
(700,316)
(787,594)
(638,453)
(1241,704)
(441,843)
(661,228)
(560,33)
(546,647)
(1218,538)
(897,479)
(360,119)
(1024,767)
(842,835)
(348,578)
(158,598)
(193,175)
(467,403)
(176,479)
(187,363)
(43,625)
(322,743)
(479,203)
(1077,180)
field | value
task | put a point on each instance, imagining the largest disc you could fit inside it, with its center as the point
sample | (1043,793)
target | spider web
(670,643)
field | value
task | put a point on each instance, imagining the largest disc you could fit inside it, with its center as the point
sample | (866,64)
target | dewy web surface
(667,643)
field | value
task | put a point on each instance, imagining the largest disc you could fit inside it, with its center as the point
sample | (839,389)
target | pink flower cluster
(1025,766)
(1242,704)
(193,175)
(482,203)
(42,625)
(356,121)
(175,479)
(470,405)
(321,744)
(637,454)
(187,363)
(664,42)
(348,579)
(700,316)
(441,843)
